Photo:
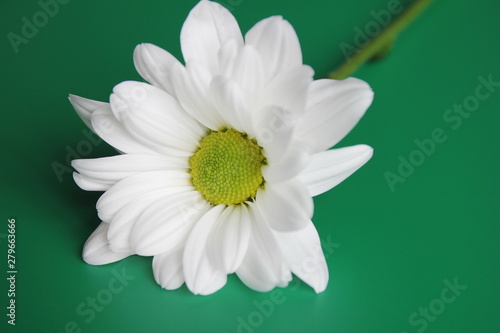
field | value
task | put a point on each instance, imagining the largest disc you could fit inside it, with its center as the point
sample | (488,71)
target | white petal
(207,27)
(289,90)
(191,87)
(286,275)
(263,267)
(155,65)
(286,156)
(112,131)
(289,166)
(85,107)
(327,169)
(91,184)
(228,240)
(228,98)
(333,109)
(276,41)
(287,206)
(165,225)
(201,276)
(155,118)
(125,190)
(247,71)
(227,56)
(124,220)
(274,132)
(303,254)
(99,174)
(96,250)
(167,269)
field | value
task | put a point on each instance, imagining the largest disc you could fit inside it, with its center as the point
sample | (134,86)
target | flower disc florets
(220,157)
(226,169)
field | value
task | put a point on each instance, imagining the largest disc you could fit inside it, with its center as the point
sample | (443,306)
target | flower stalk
(381,44)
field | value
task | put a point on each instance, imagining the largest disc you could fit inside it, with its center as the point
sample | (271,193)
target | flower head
(220,157)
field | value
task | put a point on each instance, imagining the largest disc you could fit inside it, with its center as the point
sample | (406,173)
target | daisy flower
(220,157)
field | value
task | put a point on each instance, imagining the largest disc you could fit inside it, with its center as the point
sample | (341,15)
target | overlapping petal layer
(256,85)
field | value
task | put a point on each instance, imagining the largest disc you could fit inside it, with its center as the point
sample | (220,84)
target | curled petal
(167,269)
(90,184)
(84,107)
(96,250)
(155,66)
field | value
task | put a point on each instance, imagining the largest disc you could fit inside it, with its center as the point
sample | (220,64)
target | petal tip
(366,151)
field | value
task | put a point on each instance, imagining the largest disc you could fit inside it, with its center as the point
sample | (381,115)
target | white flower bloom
(220,158)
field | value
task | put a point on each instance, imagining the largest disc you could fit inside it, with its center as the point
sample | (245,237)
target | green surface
(389,251)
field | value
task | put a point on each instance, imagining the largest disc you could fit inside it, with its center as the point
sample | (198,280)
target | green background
(393,249)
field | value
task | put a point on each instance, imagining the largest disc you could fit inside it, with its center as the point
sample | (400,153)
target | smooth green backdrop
(389,251)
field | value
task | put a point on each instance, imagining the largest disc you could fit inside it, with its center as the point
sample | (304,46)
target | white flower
(220,158)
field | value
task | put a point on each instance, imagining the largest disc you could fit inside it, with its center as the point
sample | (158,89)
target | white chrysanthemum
(220,158)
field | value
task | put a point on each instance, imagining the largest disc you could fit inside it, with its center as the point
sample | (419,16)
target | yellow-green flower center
(226,169)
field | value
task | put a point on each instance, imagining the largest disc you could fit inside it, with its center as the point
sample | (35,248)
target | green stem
(381,42)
